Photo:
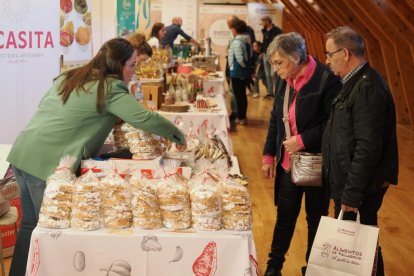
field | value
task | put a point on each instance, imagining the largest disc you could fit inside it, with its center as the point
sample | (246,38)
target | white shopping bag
(343,248)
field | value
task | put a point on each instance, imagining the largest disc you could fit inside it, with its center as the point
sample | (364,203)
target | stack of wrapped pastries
(86,203)
(174,203)
(57,199)
(143,145)
(145,205)
(116,202)
(205,206)
(236,208)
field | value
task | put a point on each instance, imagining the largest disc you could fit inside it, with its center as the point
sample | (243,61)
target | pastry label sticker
(52,190)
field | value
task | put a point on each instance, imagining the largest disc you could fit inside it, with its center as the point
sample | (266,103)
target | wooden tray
(175,107)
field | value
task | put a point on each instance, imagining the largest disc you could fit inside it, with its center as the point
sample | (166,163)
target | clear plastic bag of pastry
(120,142)
(95,166)
(144,202)
(204,173)
(205,197)
(222,169)
(115,201)
(144,145)
(57,198)
(236,205)
(173,197)
(87,203)
(192,139)
(214,149)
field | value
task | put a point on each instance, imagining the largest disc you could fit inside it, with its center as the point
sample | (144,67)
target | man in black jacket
(359,144)
(269,31)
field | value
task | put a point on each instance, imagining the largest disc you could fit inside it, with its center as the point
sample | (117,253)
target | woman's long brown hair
(108,63)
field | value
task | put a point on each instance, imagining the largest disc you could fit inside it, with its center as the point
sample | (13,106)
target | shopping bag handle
(341,216)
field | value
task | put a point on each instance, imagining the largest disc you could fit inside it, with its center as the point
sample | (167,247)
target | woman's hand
(291,145)
(268,170)
(181,148)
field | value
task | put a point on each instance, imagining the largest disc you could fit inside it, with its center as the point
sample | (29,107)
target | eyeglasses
(277,64)
(330,54)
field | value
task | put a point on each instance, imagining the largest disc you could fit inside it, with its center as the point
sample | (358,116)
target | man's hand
(268,170)
(291,145)
(346,208)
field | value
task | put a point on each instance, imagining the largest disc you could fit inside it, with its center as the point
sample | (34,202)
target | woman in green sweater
(74,118)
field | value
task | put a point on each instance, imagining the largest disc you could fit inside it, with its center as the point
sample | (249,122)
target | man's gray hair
(345,37)
(289,44)
(267,19)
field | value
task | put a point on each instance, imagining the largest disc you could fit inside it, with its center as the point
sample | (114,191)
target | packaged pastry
(205,206)
(142,144)
(115,201)
(174,199)
(205,198)
(144,203)
(236,205)
(192,139)
(120,142)
(56,207)
(87,203)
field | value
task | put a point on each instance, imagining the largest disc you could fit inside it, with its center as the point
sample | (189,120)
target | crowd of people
(343,110)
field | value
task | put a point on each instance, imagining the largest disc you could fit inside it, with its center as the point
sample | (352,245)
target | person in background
(359,147)
(258,70)
(74,118)
(144,52)
(311,89)
(269,31)
(249,37)
(158,33)
(249,30)
(143,49)
(174,30)
(239,68)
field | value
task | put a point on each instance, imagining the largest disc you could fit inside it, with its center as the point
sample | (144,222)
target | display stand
(153,91)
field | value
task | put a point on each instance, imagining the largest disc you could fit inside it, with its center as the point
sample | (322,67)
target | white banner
(213,24)
(257,10)
(29,60)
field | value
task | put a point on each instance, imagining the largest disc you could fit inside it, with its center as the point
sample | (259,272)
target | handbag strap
(285,111)
(285,118)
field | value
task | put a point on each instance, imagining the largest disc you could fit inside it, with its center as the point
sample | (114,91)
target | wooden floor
(395,217)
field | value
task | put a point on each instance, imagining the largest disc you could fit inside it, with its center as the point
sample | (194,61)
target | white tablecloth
(134,252)
(206,121)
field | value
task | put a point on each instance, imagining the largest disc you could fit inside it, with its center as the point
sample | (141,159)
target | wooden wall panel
(392,35)
(400,15)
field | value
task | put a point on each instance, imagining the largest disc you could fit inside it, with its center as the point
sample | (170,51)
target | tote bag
(343,248)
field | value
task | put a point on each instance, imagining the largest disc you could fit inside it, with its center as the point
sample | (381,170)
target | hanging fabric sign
(125,17)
